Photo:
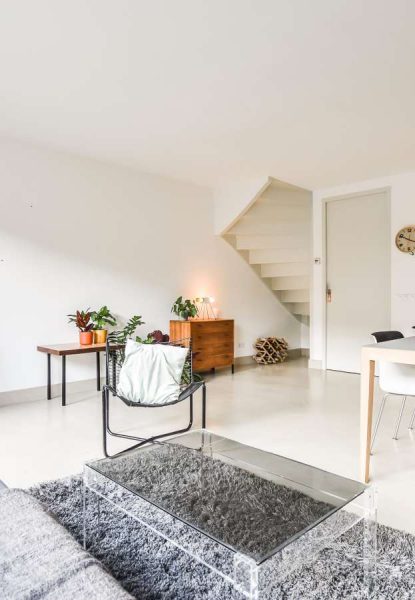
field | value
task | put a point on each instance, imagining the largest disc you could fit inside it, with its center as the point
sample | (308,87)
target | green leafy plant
(103,317)
(187,375)
(147,340)
(82,320)
(120,337)
(184,308)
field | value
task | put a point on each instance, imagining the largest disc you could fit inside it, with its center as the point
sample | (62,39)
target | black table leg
(114,375)
(98,374)
(49,379)
(233,368)
(63,380)
(203,407)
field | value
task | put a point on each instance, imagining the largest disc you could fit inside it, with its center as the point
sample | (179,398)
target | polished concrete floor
(309,415)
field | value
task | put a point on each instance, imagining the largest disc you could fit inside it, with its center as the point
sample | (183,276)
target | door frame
(325,201)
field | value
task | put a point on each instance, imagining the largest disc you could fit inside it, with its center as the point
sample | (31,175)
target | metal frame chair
(115,354)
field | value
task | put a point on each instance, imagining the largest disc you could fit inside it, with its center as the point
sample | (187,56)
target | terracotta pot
(85,338)
(100,336)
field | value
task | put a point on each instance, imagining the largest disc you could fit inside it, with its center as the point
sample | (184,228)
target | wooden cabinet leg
(367,384)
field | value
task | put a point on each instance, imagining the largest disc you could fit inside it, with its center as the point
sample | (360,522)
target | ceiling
(314,92)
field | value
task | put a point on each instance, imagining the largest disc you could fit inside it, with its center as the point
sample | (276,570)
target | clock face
(405,239)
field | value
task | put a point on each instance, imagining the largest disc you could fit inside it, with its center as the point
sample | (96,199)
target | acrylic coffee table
(252,517)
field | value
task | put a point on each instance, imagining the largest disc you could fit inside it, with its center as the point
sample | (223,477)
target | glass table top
(251,501)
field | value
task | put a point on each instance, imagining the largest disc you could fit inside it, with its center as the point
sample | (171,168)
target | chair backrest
(115,356)
(386,336)
(394,378)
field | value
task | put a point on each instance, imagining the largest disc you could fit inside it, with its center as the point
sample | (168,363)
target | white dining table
(397,351)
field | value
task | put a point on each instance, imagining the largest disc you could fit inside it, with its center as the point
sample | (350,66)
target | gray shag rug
(151,568)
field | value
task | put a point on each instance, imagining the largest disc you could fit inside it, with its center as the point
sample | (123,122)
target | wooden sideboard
(212,341)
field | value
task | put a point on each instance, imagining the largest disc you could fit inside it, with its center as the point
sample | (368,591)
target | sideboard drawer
(202,362)
(212,341)
(212,327)
(213,346)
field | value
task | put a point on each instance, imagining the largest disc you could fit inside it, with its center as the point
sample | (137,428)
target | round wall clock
(405,239)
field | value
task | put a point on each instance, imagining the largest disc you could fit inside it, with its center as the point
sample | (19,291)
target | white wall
(75,232)
(402,193)
(233,198)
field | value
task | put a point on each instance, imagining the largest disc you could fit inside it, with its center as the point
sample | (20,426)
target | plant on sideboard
(184,308)
(82,320)
(102,318)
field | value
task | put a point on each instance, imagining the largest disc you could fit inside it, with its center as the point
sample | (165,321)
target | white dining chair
(394,380)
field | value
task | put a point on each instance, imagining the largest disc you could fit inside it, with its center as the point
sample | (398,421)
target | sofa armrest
(3,486)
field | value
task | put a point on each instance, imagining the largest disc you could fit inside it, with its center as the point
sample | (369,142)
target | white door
(358,276)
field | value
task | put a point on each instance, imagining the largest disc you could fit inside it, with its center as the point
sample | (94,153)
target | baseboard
(315,364)
(244,360)
(39,393)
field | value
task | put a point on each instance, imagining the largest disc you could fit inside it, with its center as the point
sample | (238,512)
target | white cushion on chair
(151,373)
(396,378)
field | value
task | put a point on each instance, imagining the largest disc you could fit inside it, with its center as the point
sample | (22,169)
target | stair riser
(284,198)
(299,308)
(285,269)
(256,227)
(279,212)
(294,295)
(262,242)
(290,283)
(277,256)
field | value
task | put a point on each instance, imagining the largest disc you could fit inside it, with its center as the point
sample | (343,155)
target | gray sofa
(39,559)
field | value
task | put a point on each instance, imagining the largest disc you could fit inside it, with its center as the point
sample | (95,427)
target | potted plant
(82,320)
(120,337)
(100,318)
(184,308)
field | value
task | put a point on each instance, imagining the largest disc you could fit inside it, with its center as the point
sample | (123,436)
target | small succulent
(82,320)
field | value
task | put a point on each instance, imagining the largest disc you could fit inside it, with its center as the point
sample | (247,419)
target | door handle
(328,295)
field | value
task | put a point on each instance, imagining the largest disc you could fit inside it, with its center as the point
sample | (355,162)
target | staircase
(273,235)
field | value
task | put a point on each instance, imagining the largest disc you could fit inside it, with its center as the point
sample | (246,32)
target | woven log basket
(270,350)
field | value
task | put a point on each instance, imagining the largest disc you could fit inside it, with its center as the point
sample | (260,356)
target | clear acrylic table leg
(91,508)
(245,576)
(370,542)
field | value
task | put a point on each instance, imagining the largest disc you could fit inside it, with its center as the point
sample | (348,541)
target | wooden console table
(65,350)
